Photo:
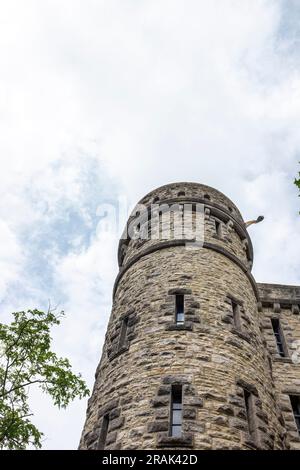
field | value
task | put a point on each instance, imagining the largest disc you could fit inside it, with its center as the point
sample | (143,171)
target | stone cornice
(173,243)
(269,302)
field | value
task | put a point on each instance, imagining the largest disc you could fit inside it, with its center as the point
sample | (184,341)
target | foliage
(297,181)
(26,359)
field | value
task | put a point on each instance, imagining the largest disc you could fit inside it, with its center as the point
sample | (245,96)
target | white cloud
(100,99)
(10,257)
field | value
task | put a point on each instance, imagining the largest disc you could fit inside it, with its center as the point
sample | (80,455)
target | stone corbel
(207,213)
(230,225)
(245,244)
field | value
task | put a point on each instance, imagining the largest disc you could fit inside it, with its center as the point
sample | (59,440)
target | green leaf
(26,360)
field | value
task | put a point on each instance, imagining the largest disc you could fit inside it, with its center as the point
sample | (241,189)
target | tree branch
(5,376)
(25,385)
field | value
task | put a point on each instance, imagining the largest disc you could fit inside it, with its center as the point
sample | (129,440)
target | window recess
(179,309)
(176,411)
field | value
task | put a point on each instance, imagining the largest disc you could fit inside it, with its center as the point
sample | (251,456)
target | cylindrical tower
(184,363)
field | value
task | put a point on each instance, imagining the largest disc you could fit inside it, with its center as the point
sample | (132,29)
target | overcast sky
(107,99)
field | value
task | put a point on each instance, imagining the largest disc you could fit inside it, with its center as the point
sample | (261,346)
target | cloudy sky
(106,100)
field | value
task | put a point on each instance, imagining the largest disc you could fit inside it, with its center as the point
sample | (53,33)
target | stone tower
(197,355)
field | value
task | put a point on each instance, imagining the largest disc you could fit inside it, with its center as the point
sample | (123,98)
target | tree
(297,181)
(26,359)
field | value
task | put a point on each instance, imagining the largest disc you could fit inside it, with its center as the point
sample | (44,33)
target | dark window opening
(278,337)
(218,226)
(236,315)
(249,406)
(176,411)
(295,402)
(179,309)
(181,193)
(123,332)
(103,432)
(207,196)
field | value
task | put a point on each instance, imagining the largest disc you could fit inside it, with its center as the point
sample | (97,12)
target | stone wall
(283,302)
(234,237)
(216,362)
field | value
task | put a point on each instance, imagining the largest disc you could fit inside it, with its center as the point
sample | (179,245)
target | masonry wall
(282,302)
(212,359)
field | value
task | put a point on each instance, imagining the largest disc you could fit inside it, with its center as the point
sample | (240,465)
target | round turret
(184,363)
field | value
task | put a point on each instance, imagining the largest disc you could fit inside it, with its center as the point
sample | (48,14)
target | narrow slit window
(295,402)
(249,406)
(179,309)
(218,226)
(123,332)
(236,312)
(103,432)
(176,411)
(278,337)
